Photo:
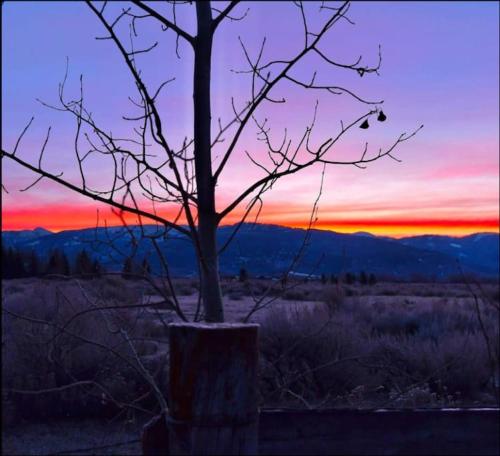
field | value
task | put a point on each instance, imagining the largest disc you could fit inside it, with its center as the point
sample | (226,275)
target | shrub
(243,276)
(295,294)
(294,345)
(354,351)
(235,295)
(430,354)
(63,357)
(333,297)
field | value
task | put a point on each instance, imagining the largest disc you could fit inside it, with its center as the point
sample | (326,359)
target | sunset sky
(439,68)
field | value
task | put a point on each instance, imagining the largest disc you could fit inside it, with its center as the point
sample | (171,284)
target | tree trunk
(207,217)
(213,389)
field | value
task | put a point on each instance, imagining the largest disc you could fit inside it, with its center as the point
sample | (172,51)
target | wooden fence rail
(373,432)
(387,432)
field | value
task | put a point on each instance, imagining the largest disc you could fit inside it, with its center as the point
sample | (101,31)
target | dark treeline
(17,264)
(350,278)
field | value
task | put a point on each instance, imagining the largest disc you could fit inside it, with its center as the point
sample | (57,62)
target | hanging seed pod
(381,116)
(364,125)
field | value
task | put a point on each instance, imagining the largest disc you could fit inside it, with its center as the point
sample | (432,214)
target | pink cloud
(464,171)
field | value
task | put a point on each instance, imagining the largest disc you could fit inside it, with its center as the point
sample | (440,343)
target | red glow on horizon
(401,228)
(66,217)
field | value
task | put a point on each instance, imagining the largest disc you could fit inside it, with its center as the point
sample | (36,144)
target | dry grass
(376,350)
(357,346)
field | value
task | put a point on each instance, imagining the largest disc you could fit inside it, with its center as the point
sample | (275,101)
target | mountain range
(269,250)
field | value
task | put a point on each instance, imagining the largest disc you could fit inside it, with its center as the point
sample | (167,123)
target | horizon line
(291,226)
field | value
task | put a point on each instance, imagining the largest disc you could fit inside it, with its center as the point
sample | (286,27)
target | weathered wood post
(213,388)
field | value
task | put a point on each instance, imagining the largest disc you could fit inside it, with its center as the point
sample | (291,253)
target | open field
(404,344)
(321,345)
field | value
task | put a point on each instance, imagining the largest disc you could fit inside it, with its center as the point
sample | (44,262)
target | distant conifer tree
(6,263)
(65,267)
(10,268)
(323,279)
(349,278)
(83,264)
(96,269)
(50,268)
(58,263)
(127,268)
(145,267)
(363,278)
(34,268)
(372,280)
(19,268)
(243,276)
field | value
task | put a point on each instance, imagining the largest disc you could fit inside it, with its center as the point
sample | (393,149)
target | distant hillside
(268,250)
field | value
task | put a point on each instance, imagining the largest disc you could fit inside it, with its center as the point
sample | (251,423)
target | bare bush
(334,298)
(61,341)
(332,350)
(377,354)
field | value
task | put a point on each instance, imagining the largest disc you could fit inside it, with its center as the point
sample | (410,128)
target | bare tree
(187,176)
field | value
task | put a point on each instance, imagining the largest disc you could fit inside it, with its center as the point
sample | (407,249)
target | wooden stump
(154,438)
(213,388)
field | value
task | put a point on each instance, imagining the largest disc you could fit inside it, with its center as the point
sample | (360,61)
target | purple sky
(440,68)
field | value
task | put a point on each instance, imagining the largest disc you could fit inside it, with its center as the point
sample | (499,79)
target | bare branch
(22,134)
(225,13)
(95,197)
(167,23)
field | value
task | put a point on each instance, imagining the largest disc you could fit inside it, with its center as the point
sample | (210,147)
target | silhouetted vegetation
(145,267)
(83,263)
(127,268)
(17,264)
(58,263)
(349,278)
(243,276)
(13,264)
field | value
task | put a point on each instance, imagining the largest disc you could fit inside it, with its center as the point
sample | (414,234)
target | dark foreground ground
(72,437)
(285,431)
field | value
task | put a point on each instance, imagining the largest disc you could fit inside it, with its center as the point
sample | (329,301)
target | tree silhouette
(83,264)
(17,264)
(34,264)
(187,176)
(127,268)
(13,264)
(243,276)
(5,262)
(145,266)
(58,263)
(66,269)
(349,278)
(96,268)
